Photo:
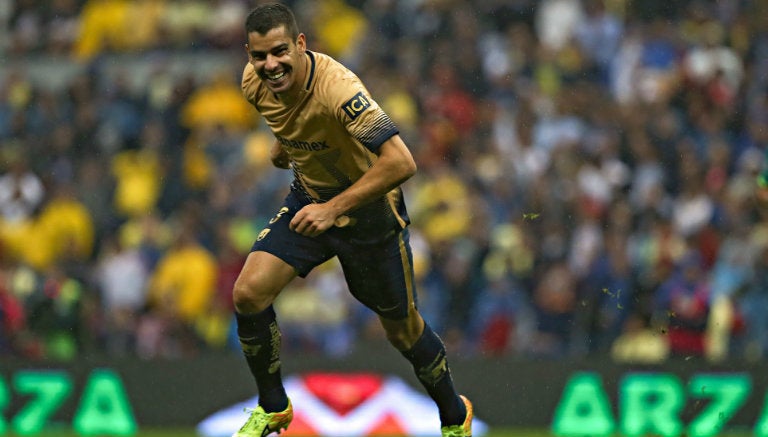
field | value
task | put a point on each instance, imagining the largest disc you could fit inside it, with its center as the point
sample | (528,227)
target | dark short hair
(268,16)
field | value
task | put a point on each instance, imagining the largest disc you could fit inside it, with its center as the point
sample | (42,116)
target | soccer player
(348,162)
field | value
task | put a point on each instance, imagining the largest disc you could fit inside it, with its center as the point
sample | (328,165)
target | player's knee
(248,299)
(400,340)
(402,335)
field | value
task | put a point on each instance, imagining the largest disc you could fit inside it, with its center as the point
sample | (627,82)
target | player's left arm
(395,165)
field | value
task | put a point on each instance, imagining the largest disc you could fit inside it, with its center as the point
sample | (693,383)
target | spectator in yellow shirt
(119,25)
(184,281)
(63,230)
(139,173)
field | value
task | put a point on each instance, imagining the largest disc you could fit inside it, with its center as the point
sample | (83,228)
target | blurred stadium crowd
(587,178)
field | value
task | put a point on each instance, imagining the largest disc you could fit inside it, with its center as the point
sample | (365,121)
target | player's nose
(271,63)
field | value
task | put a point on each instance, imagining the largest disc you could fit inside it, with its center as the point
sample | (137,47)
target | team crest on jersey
(356,105)
(263,234)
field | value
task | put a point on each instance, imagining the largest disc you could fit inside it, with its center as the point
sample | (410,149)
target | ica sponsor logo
(356,105)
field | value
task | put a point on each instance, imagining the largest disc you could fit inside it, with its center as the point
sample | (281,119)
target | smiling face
(279,60)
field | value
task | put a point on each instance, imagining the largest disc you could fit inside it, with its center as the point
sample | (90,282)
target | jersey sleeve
(359,113)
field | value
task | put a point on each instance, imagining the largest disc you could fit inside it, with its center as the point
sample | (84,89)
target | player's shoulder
(333,80)
(250,82)
(331,72)
(328,65)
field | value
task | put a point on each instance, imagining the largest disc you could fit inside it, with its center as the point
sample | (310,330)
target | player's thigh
(381,275)
(261,279)
(277,256)
(301,252)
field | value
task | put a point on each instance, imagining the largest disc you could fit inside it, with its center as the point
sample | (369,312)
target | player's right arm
(279,156)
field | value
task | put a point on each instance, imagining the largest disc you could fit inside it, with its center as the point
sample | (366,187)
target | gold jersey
(331,132)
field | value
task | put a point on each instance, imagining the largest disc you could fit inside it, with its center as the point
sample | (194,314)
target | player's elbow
(407,166)
(398,158)
(409,169)
(403,172)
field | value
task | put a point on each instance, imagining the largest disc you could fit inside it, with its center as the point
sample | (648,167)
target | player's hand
(312,220)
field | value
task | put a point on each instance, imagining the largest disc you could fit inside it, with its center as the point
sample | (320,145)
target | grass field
(191,433)
(492,433)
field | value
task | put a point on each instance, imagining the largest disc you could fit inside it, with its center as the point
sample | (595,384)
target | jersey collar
(311,73)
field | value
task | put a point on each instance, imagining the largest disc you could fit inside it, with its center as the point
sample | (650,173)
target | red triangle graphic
(300,427)
(343,392)
(388,425)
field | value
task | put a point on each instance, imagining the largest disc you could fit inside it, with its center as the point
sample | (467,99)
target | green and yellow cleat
(262,424)
(463,430)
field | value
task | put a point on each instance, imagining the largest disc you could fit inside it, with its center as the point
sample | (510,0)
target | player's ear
(247,51)
(301,43)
